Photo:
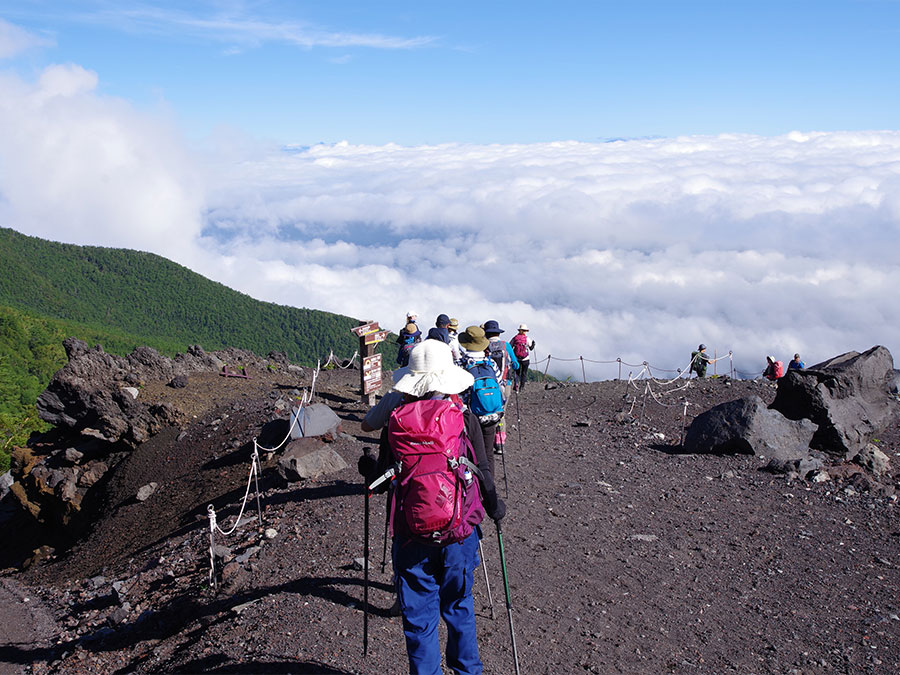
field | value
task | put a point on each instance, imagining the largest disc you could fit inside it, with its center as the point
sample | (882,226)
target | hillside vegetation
(123,299)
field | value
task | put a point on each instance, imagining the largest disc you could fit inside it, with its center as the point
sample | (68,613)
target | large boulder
(308,458)
(848,397)
(316,420)
(747,426)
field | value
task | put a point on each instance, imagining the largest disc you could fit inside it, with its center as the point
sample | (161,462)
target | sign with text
(366,328)
(373,338)
(371,372)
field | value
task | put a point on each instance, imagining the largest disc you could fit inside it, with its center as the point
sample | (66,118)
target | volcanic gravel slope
(624,556)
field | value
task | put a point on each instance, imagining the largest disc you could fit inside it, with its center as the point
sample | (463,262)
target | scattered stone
(317,420)
(131,390)
(820,476)
(237,609)
(359,564)
(244,557)
(120,614)
(583,423)
(271,533)
(179,382)
(873,459)
(143,494)
(72,455)
(643,537)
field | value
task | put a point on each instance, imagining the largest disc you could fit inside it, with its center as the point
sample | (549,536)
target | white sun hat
(523,326)
(431,369)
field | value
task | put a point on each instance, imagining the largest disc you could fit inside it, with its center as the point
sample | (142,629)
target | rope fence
(646,367)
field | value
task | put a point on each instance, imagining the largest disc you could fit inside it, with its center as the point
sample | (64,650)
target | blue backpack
(486,399)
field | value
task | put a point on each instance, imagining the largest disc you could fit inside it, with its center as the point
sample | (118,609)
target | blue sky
(484,72)
(368,158)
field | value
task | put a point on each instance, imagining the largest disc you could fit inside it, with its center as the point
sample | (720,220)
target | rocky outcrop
(95,405)
(847,397)
(747,426)
(308,458)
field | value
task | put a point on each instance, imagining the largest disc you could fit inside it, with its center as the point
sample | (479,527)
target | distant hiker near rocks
(774,369)
(484,398)
(796,363)
(435,558)
(522,348)
(699,360)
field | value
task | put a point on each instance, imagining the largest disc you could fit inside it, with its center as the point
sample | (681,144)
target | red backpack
(435,495)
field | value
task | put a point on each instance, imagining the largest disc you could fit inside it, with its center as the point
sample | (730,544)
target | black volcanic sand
(624,556)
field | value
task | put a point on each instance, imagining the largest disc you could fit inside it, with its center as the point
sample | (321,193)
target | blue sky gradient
(497,72)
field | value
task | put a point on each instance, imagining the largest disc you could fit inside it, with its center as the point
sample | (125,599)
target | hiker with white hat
(522,348)
(435,559)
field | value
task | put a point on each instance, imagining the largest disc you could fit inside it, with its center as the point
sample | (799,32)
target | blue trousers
(433,583)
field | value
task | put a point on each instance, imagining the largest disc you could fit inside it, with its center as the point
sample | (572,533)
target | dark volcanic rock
(847,397)
(747,426)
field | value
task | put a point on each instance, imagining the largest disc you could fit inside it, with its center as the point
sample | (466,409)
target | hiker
(774,369)
(484,398)
(453,330)
(699,361)
(434,580)
(502,353)
(435,333)
(522,348)
(408,338)
(442,324)
(796,363)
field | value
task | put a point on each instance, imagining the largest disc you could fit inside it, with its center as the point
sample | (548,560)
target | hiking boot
(498,451)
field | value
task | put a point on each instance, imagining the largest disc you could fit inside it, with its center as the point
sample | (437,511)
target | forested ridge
(122,299)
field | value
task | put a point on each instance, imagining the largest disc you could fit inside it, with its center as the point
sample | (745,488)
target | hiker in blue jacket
(474,358)
(434,582)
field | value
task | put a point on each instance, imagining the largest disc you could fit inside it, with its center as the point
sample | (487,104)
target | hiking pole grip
(512,632)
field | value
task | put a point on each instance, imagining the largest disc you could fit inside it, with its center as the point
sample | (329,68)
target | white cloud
(83,168)
(636,250)
(14,40)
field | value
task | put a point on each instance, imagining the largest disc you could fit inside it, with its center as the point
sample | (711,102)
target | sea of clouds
(634,249)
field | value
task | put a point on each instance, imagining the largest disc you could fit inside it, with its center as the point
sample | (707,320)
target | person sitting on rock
(699,361)
(774,369)
(796,363)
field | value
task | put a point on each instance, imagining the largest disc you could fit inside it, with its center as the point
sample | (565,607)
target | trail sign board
(365,328)
(369,334)
(371,368)
(373,338)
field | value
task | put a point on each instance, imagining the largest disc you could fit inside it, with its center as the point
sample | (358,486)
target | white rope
(679,373)
(243,504)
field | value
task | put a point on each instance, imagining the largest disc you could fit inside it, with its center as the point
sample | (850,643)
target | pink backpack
(436,494)
(520,345)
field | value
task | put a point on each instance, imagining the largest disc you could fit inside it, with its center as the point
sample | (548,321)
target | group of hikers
(441,425)
(774,369)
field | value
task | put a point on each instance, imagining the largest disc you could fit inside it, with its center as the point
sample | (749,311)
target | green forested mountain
(122,299)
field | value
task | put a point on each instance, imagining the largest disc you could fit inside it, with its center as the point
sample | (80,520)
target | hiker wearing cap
(699,360)
(486,374)
(453,330)
(796,363)
(774,369)
(522,348)
(442,324)
(434,573)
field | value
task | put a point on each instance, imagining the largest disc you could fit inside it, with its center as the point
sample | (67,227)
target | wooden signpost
(369,334)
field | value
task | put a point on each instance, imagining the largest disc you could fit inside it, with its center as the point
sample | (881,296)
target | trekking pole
(512,633)
(484,567)
(366,577)
(387,514)
(518,423)
(503,460)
